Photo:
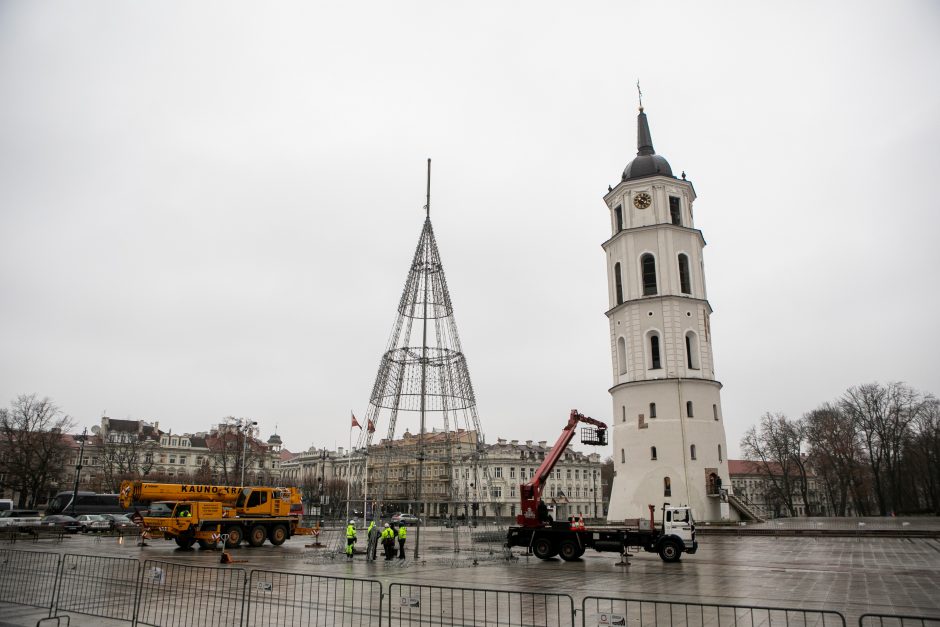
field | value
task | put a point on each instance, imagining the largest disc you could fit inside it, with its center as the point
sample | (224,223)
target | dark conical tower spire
(644,141)
(647,162)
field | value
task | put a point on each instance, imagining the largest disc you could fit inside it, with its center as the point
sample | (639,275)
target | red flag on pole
(355,423)
(371,426)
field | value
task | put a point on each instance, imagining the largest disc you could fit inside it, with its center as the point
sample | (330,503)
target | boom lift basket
(593,436)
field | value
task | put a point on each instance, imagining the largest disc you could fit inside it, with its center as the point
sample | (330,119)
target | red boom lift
(674,535)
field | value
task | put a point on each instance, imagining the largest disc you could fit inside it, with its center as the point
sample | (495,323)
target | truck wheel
(669,551)
(278,535)
(569,550)
(184,543)
(257,535)
(235,536)
(544,549)
(205,545)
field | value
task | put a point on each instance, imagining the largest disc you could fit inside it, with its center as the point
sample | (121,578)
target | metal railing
(642,613)
(98,586)
(28,577)
(897,620)
(201,596)
(413,604)
(164,593)
(279,598)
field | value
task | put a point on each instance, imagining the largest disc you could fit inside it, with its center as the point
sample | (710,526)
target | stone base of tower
(672,457)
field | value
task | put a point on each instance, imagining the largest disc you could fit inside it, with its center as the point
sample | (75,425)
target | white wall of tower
(687,448)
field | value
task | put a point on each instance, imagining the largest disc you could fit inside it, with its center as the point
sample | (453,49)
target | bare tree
(923,458)
(233,447)
(32,437)
(836,455)
(124,457)
(883,415)
(775,444)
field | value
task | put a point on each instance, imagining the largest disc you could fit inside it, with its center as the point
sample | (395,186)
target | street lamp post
(245,428)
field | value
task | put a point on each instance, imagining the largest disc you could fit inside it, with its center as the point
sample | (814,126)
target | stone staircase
(747,511)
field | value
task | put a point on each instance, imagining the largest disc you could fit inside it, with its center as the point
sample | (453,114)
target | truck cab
(678,533)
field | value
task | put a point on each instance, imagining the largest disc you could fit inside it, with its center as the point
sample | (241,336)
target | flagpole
(365,483)
(349,470)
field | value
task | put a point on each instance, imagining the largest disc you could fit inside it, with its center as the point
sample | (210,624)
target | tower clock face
(642,200)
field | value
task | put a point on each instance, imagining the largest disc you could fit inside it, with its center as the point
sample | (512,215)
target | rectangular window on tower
(618,216)
(675,210)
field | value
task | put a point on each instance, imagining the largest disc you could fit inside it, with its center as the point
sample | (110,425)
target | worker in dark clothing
(388,542)
(543,512)
(373,538)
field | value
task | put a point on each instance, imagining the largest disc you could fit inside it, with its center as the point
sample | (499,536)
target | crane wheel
(278,535)
(544,548)
(235,536)
(184,543)
(257,535)
(569,550)
(205,545)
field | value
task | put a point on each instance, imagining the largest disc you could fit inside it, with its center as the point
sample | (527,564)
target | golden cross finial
(640,92)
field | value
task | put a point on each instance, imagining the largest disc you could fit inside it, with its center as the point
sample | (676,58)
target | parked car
(93,522)
(63,522)
(408,519)
(19,519)
(119,522)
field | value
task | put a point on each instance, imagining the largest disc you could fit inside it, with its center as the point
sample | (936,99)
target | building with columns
(668,431)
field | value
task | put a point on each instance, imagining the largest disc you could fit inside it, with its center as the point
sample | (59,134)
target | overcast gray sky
(209,209)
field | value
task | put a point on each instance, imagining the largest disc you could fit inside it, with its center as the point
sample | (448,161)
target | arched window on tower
(692,451)
(618,281)
(655,361)
(691,351)
(688,409)
(720,458)
(648,268)
(623,457)
(618,216)
(667,486)
(685,282)
(675,210)
(652,410)
(621,355)
(653,452)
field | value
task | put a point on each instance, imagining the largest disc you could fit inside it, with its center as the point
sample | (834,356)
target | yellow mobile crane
(205,513)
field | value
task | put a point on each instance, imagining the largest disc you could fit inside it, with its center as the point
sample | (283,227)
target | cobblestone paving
(849,575)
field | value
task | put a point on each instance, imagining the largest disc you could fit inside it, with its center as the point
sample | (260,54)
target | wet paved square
(849,575)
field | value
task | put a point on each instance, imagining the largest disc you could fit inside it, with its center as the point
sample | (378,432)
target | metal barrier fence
(897,620)
(201,596)
(410,604)
(28,577)
(98,586)
(639,613)
(279,598)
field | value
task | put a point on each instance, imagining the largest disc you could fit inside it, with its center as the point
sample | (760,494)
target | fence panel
(279,598)
(897,620)
(439,605)
(98,586)
(197,596)
(28,577)
(604,611)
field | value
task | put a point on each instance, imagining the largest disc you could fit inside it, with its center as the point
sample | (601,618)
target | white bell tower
(668,431)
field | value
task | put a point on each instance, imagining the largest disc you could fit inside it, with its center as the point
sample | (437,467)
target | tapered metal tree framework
(424,371)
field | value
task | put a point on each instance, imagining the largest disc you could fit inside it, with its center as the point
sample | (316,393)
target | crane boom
(531,491)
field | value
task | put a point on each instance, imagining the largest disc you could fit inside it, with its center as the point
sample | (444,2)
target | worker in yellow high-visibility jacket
(350,538)
(402,536)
